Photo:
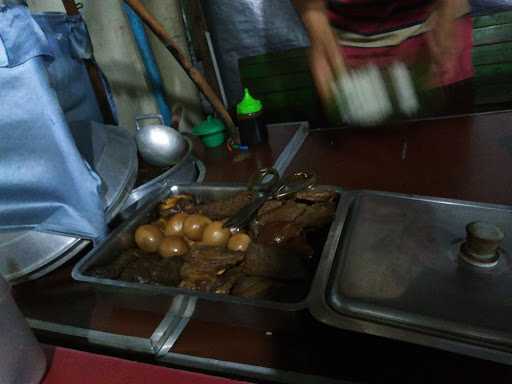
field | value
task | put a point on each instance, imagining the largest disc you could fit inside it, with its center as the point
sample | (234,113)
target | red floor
(70,366)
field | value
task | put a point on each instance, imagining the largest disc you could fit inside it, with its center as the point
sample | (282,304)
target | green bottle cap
(211,131)
(248,104)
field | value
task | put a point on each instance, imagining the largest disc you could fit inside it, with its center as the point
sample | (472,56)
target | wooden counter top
(462,158)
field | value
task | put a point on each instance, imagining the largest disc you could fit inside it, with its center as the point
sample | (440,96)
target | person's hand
(442,40)
(325,58)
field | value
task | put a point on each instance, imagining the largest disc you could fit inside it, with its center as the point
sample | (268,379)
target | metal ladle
(159,144)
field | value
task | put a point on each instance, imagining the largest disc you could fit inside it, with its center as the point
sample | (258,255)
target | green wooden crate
(492,58)
(492,54)
(290,99)
(493,73)
(295,80)
(272,67)
(495,94)
(492,35)
(274,56)
(494,19)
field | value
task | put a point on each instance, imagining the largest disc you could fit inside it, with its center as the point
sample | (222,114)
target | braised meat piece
(205,266)
(288,212)
(274,262)
(153,269)
(316,196)
(254,287)
(215,259)
(221,209)
(300,247)
(113,270)
(206,281)
(308,216)
(291,292)
(176,204)
(278,233)
(140,271)
(226,281)
(316,215)
(268,206)
(286,235)
(197,279)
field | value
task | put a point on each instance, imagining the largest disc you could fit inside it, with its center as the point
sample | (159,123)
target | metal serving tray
(396,272)
(226,306)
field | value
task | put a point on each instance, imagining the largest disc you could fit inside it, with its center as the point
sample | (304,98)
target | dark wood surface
(231,166)
(463,158)
(468,158)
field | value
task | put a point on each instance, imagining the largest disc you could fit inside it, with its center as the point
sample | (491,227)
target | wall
(254,27)
(117,54)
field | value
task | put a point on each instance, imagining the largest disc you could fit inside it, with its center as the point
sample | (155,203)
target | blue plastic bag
(45,183)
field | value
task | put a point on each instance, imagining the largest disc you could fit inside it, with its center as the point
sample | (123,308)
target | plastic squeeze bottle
(250,121)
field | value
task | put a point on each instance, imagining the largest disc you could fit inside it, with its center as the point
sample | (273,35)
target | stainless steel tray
(396,273)
(122,238)
(186,170)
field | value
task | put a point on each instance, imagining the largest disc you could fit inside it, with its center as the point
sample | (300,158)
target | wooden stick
(94,73)
(71,7)
(182,59)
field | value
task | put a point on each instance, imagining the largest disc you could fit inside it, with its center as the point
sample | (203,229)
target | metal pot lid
(30,254)
(413,263)
(118,168)
(182,172)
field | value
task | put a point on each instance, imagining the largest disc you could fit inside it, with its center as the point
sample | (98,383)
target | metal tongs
(267,184)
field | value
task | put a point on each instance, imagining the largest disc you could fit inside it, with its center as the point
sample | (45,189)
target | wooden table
(466,158)
(463,158)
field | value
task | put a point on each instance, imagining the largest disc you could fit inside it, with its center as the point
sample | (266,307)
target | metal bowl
(159,145)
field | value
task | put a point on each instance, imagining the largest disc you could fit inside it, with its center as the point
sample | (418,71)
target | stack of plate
(28,254)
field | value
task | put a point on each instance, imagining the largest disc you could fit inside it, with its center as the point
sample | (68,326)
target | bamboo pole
(158,29)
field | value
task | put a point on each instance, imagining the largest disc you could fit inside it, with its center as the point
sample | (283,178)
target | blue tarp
(485,7)
(45,183)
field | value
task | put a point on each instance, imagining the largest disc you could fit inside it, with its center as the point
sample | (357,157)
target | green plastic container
(211,132)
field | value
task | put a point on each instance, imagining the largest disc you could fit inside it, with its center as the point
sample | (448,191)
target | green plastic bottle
(211,132)
(251,125)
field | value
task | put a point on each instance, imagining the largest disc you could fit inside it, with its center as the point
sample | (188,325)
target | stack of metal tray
(29,254)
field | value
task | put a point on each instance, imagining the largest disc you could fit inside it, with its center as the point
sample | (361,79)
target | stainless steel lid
(184,171)
(30,254)
(408,266)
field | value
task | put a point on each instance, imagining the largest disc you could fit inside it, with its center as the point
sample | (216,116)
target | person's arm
(443,40)
(326,61)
